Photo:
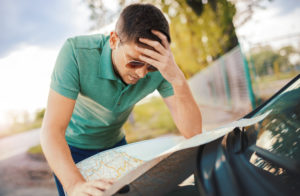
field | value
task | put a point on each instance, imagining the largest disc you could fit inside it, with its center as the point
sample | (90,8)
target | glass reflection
(267,166)
(279,132)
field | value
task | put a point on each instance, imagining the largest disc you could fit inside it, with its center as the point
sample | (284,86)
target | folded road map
(155,166)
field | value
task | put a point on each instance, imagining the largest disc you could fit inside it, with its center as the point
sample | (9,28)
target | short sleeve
(65,75)
(165,89)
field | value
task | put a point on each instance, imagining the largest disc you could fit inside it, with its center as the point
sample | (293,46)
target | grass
(151,119)
(263,84)
(274,77)
(35,149)
(20,128)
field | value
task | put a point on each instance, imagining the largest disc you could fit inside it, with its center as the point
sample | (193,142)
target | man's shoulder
(88,41)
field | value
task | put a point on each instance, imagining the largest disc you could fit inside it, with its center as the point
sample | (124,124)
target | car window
(279,132)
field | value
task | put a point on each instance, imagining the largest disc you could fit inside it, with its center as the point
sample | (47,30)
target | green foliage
(25,125)
(21,127)
(40,114)
(268,61)
(156,114)
(198,40)
(35,149)
(151,120)
(200,32)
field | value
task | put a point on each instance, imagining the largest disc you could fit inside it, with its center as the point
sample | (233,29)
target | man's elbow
(189,134)
(43,137)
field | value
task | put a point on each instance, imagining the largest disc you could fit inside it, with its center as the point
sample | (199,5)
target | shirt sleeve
(165,89)
(65,75)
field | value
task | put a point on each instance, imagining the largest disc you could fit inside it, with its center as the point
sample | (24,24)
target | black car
(262,159)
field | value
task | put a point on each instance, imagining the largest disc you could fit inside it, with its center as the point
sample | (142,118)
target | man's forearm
(184,109)
(59,158)
(188,117)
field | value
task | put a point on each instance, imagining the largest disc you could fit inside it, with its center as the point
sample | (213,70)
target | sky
(33,31)
(279,19)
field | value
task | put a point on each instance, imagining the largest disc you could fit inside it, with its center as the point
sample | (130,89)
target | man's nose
(142,71)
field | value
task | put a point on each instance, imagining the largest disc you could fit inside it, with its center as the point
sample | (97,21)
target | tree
(268,61)
(201,32)
(39,114)
(246,10)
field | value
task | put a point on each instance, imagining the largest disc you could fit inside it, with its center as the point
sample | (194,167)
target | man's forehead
(131,52)
(132,45)
(142,45)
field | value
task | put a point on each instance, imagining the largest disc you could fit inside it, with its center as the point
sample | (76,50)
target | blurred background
(235,55)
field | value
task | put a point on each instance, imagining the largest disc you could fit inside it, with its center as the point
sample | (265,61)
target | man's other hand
(93,187)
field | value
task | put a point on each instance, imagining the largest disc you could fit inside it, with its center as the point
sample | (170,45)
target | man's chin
(129,81)
(132,82)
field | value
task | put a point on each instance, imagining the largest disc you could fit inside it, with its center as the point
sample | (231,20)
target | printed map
(110,164)
(153,167)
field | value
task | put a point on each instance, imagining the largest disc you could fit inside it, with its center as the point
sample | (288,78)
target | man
(95,84)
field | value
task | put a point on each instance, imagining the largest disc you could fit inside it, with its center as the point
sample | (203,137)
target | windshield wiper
(241,141)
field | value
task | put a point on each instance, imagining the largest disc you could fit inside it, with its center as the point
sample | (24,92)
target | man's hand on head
(162,58)
(183,107)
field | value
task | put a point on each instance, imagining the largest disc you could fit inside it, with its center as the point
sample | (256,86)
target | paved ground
(216,117)
(18,144)
(26,175)
(23,174)
(266,90)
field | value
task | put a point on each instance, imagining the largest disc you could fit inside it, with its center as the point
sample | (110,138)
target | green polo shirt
(83,71)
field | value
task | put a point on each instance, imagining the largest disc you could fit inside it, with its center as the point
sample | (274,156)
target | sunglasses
(138,64)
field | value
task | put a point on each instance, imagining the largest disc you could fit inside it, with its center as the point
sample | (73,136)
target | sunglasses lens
(135,64)
(138,64)
(152,68)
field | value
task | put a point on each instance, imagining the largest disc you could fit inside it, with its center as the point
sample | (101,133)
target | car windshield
(279,132)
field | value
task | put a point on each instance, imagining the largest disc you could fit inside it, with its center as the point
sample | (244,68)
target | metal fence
(225,83)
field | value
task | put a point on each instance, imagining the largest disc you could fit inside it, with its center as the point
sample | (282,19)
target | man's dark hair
(137,20)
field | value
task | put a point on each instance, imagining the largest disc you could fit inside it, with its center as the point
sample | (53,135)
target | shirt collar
(105,69)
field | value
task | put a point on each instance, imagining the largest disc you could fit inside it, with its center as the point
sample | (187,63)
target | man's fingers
(162,37)
(90,190)
(93,187)
(154,44)
(150,61)
(110,180)
(150,53)
(101,184)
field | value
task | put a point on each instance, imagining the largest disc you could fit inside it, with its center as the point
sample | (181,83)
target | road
(23,175)
(18,144)
(266,90)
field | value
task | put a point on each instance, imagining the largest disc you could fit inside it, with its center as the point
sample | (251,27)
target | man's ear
(113,40)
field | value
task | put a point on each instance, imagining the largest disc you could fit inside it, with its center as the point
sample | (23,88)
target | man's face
(122,54)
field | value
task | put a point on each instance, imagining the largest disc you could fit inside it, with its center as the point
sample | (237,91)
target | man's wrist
(71,185)
(179,81)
